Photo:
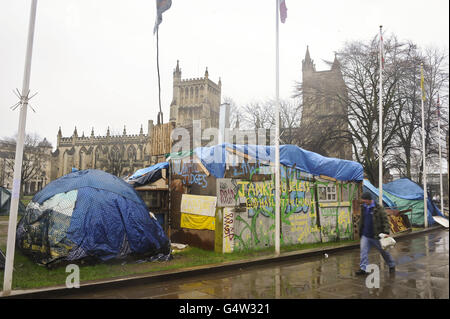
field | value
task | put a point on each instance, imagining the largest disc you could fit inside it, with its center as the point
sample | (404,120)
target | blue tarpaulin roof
(213,158)
(404,188)
(141,172)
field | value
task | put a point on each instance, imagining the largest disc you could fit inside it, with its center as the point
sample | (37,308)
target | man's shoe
(361,272)
(392,270)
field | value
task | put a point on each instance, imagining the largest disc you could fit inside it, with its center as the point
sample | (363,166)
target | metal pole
(440,158)
(10,248)
(160,114)
(380,127)
(425,195)
(277,142)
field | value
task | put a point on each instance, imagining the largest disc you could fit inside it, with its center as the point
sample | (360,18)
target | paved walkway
(422,273)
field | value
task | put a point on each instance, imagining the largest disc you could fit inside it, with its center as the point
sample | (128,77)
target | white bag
(386,242)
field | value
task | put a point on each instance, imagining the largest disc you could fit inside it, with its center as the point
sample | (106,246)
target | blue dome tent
(89,213)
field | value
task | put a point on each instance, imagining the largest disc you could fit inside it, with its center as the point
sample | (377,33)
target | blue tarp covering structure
(147,175)
(143,171)
(213,158)
(404,190)
(89,213)
(368,187)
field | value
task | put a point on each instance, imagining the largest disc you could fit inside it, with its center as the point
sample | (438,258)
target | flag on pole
(161,6)
(421,83)
(283,11)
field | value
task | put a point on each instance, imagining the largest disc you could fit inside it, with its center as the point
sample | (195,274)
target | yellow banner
(198,221)
(421,83)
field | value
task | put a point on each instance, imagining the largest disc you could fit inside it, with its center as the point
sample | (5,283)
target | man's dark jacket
(380,221)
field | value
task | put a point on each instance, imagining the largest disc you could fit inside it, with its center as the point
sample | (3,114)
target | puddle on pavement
(422,272)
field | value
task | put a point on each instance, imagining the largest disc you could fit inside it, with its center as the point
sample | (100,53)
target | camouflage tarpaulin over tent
(406,194)
(89,213)
(5,202)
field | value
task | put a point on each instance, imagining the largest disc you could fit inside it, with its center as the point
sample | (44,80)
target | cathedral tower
(325,115)
(195,99)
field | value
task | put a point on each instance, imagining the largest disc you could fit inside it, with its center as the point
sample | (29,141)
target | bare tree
(360,69)
(435,84)
(35,162)
(257,114)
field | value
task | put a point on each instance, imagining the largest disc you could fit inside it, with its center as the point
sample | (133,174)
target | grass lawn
(29,275)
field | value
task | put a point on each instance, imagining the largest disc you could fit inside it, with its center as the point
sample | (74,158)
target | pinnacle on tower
(307,56)
(92,132)
(336,65)
(177,71)
(107,132)
(75,133)
(59,131)
(141,132)
(206,72)
(124,130)
(308,63)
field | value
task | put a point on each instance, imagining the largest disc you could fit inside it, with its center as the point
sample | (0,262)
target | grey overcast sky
(94,61)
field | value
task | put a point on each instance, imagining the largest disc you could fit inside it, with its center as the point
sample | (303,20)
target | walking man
(373,222)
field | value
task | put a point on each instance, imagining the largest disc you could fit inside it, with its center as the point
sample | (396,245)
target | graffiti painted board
(398,220)
(228,230)
(227,190)
(336,221)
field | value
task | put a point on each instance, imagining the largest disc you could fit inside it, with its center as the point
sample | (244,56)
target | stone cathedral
(200,99)
(325,115)
(121,155)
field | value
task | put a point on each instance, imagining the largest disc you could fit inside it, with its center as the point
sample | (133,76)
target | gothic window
(141,153)
(83,158)
(132,153)
(116,163)
(98,152)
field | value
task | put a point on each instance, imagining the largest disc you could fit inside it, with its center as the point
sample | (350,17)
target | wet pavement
(422,272)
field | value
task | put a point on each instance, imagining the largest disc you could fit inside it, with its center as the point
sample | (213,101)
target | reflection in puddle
(422,272)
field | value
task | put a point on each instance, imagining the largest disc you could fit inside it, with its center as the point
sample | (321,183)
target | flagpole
(440,157)
(277,142)
(380,126)
(160,115)
(425,195)
(15,196)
